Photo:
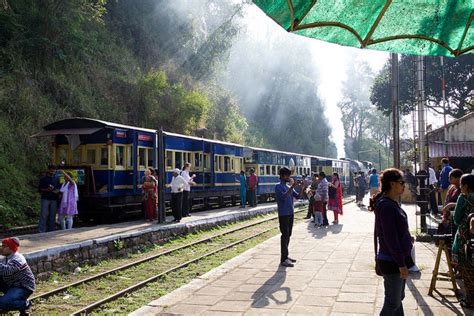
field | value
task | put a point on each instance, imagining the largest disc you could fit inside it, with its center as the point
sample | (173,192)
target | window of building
(119,155)
(150,157)
(104,156)
(90,156)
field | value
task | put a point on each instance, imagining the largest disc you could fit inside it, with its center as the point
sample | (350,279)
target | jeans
(325,213)
(318,218)
(14,298)
(48,215)
(186,204)
(286,227)
(394,295)
(66,221)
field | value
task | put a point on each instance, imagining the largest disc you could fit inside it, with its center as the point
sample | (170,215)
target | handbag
(332,191)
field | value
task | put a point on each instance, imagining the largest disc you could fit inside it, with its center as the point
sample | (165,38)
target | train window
(206,161)
(119,155)
(150,157)
(268,171)
(262,170)
(62,155)
(104,156)
(274,170)
(197,160)
(90,156)
(130,157)
(278,169)
(169,160)
(141,157)
(76,156)
(227,163)
(178,160)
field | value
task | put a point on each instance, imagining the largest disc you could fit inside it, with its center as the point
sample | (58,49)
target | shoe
(414,269)
(287,263)
(189,215)
(312,221)
(24,312)
(335,222)
(291,259)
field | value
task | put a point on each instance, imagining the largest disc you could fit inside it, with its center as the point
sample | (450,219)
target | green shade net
(420,27)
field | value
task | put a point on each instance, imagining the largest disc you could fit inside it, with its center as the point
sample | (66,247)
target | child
(317,210)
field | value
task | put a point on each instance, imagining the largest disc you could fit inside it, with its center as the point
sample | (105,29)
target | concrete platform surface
(334,275)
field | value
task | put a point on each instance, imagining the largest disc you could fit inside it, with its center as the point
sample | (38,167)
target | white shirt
(177,184)
(188,179)
(432,180)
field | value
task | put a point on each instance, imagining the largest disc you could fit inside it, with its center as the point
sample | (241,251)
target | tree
(459,85)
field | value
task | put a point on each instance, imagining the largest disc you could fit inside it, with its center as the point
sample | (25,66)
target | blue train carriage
(111,159)
(267,164)
(342,168)
(216,165)
(324,164)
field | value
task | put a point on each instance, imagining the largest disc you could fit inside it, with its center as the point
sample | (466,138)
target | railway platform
(334,275)
(63,251)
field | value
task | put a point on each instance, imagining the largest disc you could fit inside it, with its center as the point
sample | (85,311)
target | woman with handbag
(464,209)
(393,258)
(335,197)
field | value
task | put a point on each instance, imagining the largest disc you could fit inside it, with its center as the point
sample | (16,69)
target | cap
(176,170)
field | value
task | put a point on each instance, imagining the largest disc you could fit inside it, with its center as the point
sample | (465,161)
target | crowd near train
(107,162)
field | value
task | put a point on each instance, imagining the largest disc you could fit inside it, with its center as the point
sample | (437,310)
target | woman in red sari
(335,200)
(149,187)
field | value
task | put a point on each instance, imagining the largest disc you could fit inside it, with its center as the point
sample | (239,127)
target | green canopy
(420,27)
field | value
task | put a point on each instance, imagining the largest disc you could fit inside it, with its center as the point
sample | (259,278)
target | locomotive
(108,160)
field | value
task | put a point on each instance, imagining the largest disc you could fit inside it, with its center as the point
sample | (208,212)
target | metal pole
(421,110)
(380,161)
(161,177)
(444,108)
(395,112)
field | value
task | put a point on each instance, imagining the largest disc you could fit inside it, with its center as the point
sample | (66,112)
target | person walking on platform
(253,183)
(394,240)
(432,185)
(187,189)
(149,188)
(284,195)
(68,205)
(361,187)
(177,185)
(335,197)
(17,281)
(444,179)
(462,218)
(48,187)
(243,189)
(322,191)
(374,182)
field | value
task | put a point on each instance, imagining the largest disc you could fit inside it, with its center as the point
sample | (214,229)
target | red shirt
(253,180)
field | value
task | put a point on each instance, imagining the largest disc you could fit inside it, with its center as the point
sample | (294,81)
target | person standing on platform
(284,195)
(462,218)
(243,189)
(335,202)
(177,185)
(444,179)
(48,187)
(253,183)
(149,188)
(187,189)
(432,183)
(68,204)
(394,239)
(361,186)
(17,281)
(374,182)
(311,189)
(322,191)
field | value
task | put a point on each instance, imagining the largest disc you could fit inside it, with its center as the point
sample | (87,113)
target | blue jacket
(285,202)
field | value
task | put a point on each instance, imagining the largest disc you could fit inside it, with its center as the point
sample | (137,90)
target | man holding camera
(284,197)
(48,187)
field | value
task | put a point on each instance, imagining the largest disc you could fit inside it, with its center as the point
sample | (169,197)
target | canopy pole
(420,86)
(395,112)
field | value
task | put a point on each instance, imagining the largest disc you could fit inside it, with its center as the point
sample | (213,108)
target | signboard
(121,134)
(78,175)
(146,138)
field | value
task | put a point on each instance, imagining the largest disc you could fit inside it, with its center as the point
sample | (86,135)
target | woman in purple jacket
(391,228)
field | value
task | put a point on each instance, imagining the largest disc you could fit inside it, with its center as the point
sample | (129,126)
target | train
(108,160)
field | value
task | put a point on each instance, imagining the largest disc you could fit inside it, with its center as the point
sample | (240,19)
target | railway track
(234,239)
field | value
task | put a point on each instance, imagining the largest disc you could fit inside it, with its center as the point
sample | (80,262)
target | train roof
(291,153)
(83,126)
(201,139)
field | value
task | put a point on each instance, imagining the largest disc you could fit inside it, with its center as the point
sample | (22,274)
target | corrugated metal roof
(461,149)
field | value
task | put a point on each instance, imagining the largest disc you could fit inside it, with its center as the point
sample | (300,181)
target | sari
(335,204)
(150,196)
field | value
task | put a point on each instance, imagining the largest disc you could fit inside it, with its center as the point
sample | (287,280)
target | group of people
(391,234)
(57,200)
(248,188)
(181,192)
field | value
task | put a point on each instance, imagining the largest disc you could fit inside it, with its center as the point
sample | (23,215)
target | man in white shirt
(187,189)
(432,183)
(177,186)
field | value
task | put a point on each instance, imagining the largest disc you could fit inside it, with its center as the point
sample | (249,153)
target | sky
(330,59)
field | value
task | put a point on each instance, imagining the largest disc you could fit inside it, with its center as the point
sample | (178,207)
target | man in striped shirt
(322,190)
(17,282)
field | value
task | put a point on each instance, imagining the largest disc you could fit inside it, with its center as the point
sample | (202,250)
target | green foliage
(459,85)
